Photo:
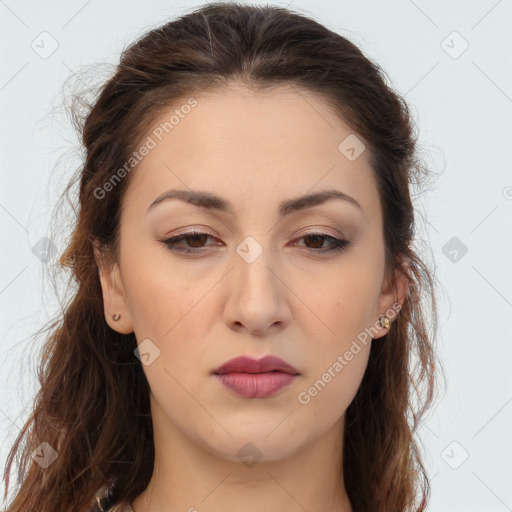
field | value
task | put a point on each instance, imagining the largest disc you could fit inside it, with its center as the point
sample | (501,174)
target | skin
(255,150)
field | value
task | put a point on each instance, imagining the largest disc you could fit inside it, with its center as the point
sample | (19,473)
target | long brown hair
(92,408)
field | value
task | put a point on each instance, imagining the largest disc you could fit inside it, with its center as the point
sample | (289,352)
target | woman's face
(263,278)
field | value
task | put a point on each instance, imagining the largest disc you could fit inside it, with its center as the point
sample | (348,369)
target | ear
(113,293)
(392,298)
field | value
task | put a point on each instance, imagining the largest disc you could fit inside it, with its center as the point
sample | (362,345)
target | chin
(253,444)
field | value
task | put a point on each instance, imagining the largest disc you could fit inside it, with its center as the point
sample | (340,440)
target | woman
(248,297)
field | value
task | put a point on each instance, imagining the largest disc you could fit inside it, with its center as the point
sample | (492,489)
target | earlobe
(116,311)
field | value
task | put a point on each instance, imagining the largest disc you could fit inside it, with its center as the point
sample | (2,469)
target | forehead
(245,144)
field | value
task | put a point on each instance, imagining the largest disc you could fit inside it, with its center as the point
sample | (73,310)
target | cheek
(161,300)
(166,309)
(345,305)
(163,293)
(335,382)
(340,354)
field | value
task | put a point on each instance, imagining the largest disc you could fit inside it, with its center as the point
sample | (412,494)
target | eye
(196,237)
(337,245)
(199,238)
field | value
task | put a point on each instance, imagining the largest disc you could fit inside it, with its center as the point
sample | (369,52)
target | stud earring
(116,317)
(384,321)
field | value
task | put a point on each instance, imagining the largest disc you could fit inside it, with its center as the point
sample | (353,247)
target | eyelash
(337,244)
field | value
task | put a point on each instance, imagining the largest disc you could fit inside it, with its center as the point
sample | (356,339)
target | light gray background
(462,103)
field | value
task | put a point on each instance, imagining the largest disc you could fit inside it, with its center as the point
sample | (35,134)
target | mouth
(253,378)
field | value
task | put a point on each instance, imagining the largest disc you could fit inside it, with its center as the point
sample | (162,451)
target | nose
(257,296)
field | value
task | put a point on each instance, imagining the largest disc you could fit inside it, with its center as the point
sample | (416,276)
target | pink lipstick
(256,378)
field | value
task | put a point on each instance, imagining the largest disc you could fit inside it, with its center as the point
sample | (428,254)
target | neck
(187,477)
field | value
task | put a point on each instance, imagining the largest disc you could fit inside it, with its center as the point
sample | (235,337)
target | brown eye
(194,240)
(316,241)
(197,240)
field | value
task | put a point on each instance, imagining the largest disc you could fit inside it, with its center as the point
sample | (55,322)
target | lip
(244,364)
(256,378)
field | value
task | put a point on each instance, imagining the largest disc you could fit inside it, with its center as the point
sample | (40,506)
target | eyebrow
(212,201)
